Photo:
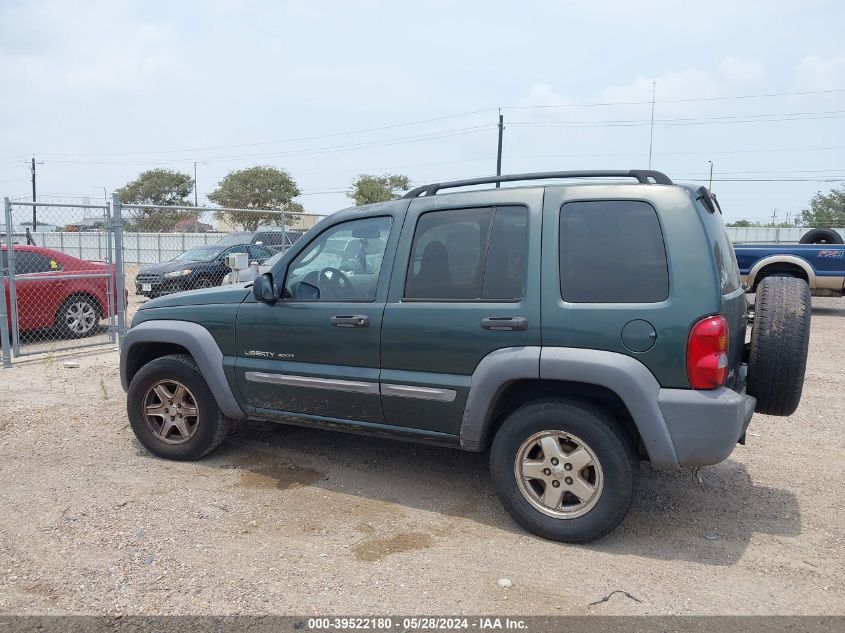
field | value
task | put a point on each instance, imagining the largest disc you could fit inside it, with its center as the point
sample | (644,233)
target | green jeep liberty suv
(570,329)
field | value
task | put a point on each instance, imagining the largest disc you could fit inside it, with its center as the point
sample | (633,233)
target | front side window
(611,251)
(469,255)
(343,263)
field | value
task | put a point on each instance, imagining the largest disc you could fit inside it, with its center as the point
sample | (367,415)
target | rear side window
(611,251)
(723,250)
(469,255)
(27,262)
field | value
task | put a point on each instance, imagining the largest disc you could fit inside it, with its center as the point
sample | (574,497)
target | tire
(821,236)
(606,444)
(78,317)
(203,282)
(780,337)
(189,438)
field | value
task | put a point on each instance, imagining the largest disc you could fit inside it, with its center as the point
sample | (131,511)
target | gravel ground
(287,520)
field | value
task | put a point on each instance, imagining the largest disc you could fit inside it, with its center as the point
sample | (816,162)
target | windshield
(236,238)
(199,254)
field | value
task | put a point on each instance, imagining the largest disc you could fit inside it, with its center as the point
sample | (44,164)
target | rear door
(466,282)
(316,351)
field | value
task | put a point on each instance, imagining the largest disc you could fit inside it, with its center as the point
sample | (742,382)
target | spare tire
(821,236)
(780,337)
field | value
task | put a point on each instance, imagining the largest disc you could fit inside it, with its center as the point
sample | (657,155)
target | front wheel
(564,469)
(172,410)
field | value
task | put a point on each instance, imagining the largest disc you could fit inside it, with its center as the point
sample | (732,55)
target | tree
(826,210)
(162,187)
(266,188)
(741,223)
(367,188)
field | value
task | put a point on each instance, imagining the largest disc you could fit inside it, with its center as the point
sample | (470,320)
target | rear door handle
(350,320)
(505,323)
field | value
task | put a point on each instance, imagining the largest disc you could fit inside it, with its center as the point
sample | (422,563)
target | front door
(466,282)
(316,350)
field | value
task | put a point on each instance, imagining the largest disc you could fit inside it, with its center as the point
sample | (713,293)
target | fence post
(111,286)
(117,220)
(4,313)
(13,284)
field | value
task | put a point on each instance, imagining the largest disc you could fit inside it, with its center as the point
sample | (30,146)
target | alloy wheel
(80,317)
(171,412)
(558,474)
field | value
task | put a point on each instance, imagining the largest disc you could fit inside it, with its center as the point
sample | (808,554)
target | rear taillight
(707,353)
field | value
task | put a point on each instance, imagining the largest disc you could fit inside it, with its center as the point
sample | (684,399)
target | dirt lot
(288,520)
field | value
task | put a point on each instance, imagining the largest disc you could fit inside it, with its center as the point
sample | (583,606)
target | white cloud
(87,50)
(816,73)
(543,95)
(730,77)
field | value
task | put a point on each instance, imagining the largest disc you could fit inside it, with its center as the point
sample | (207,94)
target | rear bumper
(705,426)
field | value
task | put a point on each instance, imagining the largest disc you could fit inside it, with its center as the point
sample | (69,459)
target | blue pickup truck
(822,266)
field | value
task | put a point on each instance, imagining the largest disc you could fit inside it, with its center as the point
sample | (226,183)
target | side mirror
(263,289)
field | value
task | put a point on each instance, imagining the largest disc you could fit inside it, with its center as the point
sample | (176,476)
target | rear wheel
(780,337)
(564,469)
(172,410)
(78,317)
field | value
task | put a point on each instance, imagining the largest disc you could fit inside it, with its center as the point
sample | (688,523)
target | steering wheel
(336,283)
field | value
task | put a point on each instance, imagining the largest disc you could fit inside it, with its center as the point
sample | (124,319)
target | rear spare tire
(779,340)
(821,236)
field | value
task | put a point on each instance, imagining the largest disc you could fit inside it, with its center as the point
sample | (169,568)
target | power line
(281,141)
(833,114)
(299,152)
(439,118)
(688,100)
(691,119)
(842,179)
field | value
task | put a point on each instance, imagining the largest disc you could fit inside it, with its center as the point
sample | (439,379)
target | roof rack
(643,176)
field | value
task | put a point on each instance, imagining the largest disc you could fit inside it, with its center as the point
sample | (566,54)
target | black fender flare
(628,378)
(199,343)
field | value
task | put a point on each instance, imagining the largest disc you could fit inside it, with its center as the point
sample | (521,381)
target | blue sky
(100,91)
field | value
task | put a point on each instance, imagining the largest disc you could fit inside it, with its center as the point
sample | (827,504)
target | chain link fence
(59,279)
(74,273)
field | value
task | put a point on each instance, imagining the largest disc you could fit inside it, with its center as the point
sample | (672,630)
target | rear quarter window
(723,250)
(612,251)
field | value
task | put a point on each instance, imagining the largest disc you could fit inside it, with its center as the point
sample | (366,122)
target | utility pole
(710,186)
(499,152)
(196,185)
(34,208)
(651,131)
(774,215)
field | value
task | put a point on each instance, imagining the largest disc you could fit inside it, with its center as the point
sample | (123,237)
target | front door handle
(505,323)
(350,320)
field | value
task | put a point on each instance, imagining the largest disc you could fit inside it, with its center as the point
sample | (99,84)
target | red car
(48,297)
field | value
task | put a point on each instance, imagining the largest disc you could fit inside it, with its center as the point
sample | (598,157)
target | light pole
(105,195)
(710,186)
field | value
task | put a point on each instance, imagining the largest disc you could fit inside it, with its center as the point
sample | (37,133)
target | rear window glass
(611,251)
